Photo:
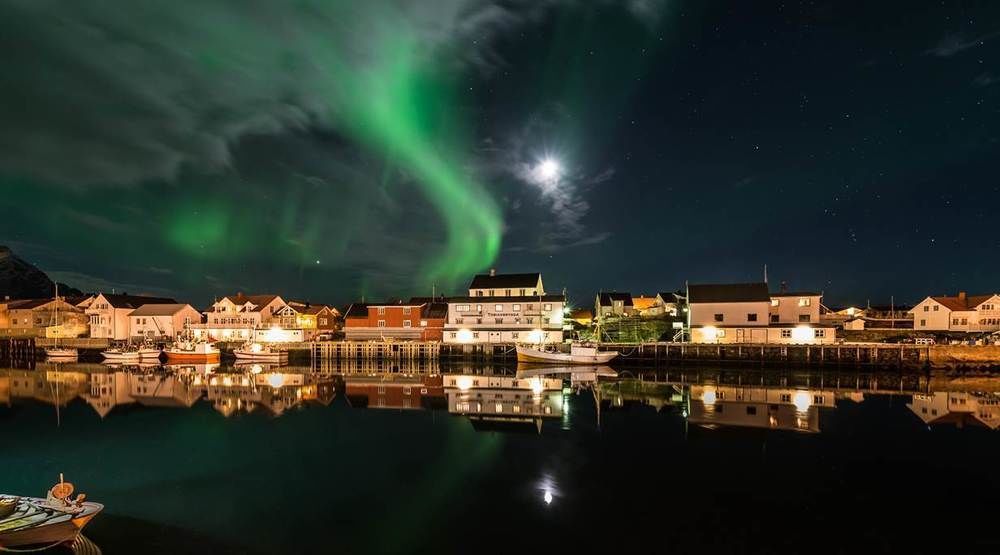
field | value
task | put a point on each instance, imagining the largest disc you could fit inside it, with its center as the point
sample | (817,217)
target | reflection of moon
(548,497)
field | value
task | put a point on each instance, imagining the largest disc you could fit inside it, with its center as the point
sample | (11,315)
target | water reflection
(499,398)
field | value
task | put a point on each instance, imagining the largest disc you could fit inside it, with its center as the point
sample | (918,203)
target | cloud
(956,43)
(986,79)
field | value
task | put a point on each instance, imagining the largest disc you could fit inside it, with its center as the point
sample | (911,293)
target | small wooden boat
(30,522)
(258,352)
(121,354)
(192,351)
(578,354)
(61,353)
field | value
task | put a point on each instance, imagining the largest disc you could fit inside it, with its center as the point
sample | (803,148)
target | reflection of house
(977,313)
(394,391)
(758,407)
(276,392)
(234,318)
(611,304)
(107,391)
(51,387)
(958,408)
(504,397)
(109,314)
(163,390)
(162,321)
(415,320)
(505,308)
(43,318)
(743,312)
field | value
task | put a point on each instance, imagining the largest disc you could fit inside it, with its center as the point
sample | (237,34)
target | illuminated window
(406,311)
(499,407)
(381,311)
(462,308)
(516,308)
(548,306)
(423,323)
(498,308)
(775,302)
(805,301)
(381,323)
(479,308)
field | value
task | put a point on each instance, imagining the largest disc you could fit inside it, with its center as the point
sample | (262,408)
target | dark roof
(135,301)
(504,281)
(796,294)
(606,297)
(963,302)
(670,294)
(159,309)
(511,299)
(728,293)
(436,310)
(25,304)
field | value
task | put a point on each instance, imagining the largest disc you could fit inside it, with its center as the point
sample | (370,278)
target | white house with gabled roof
(505,308)
(962,312)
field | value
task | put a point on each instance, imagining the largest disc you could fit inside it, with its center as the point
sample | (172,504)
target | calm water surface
(425,460)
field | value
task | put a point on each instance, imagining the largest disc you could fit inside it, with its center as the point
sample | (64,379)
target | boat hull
(192,357)
(120,357)
(538,356)
(60,353)
(60,528)
(261,357)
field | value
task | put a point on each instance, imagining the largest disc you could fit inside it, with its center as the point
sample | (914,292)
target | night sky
(333,149)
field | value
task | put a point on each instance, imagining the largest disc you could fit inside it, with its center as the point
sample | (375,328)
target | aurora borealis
(334,149)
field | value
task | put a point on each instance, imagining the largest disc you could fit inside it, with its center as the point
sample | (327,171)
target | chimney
(493,272)
(961,296)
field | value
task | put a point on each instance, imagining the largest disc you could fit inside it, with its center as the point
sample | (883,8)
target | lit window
(516,308)
(463,308)
(406,311)
(498,308)
(381,311)
(805,301)
(548,306)
(423,323)
(775,302)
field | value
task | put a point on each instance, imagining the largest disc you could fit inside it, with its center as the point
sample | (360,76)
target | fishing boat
(578,354)
(258,352)
(190,350)
(121,354)
(150,353)
(56,352)
(31,523)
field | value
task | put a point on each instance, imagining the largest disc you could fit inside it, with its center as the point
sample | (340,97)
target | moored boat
(35,523)
(258,352)
(192,351)
(61,353)
(147,353)
(121,354)
(578,354)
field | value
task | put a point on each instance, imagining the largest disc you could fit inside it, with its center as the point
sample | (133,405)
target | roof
(160,309)
(796,294)
(316,309)
(26,304)
(504,281)
(668,294)
(963,302)
(643,303)
(135,301)
(605,298)
(511,299)
(436,310)
(728,293)
(256,300)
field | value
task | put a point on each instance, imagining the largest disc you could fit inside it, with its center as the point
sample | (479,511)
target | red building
(416,320)
(395,391)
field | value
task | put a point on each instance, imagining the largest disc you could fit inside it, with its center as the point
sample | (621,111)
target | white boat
(148,353)
(192,351)
(34,524)
(259,352)
(578,354)
(121,354)
(55,351)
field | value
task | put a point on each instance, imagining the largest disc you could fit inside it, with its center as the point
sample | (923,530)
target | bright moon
(549,168)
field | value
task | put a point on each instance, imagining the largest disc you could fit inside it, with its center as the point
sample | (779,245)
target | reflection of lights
(548,488)
(708,396)
(802,334)
(256,348)
(464,382)
(464,336)
(256,369)
(548,497)
(801,401)
(276,380)
(227,381)
(537,386)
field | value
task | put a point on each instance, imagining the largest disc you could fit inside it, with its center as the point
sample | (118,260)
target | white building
(505,308)
(742,313)
(161,321)
(978,313)
(233,318)
(109,314)
(958,407)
